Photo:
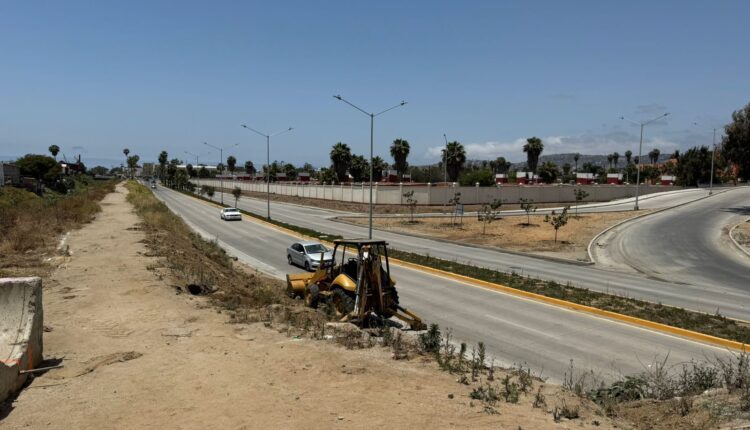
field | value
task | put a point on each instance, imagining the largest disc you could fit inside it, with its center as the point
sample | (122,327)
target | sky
(94,77)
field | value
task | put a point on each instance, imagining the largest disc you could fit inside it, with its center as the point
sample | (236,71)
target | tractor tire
(312,296)
(343,302)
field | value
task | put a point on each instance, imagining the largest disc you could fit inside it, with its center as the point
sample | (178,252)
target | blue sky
(94,77)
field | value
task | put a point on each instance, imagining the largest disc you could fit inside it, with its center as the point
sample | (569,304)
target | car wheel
(307,266)
(289,259)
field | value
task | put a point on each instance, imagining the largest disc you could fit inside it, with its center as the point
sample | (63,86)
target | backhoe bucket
(296,283)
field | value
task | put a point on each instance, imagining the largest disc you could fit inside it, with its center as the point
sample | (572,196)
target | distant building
(10,174)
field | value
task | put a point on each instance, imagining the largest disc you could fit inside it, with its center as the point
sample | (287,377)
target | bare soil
(742,234)
(512,232)
(138,353)
(379,209)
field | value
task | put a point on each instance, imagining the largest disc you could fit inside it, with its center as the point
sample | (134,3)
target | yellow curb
(689,334)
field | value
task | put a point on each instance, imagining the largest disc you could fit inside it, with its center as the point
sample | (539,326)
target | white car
(229,214)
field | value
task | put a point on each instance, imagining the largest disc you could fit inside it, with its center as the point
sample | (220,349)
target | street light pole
(221,157)
(268,164)
(445,171)
(372,144)
(640,153)
(713,155)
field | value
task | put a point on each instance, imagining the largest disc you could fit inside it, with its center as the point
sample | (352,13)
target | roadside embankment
(740,235)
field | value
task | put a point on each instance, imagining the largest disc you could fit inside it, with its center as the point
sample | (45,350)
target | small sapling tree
(210,192)
(580,195)
(411,202)
(455,201)
(557,221)
(528,206)
(489,212)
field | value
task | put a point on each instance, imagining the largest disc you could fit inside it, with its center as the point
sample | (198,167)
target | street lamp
(713,155)
(445,171)
(640,153)
(221,157)
(268,164)
(195,155)
(372,127)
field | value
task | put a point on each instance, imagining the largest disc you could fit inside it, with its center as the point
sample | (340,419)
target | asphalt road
(688,244)
(515,330)
(692,296)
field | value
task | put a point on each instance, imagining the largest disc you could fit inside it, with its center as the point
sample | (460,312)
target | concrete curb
(487,247)
(634,321)
(734,241)
(608,229)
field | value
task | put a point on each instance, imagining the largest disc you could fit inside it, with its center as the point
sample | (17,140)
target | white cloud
(591,144)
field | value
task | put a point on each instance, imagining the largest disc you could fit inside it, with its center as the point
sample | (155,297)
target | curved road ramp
(21,327)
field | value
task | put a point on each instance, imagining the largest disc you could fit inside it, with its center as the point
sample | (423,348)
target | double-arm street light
(195,155)
(268,164)
(221,157)
(640,152)
(372,127)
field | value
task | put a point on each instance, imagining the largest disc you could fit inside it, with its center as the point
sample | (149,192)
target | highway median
(714,329)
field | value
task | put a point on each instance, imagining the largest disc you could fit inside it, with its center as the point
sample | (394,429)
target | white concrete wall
(438,195)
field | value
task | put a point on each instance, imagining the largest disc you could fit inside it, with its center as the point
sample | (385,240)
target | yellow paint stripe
(689,334)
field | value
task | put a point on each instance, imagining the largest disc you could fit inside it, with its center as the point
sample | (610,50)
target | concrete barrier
(21,329)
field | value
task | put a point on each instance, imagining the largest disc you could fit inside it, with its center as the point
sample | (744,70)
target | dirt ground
(511,233)
(742,234)
(380,209)
(139,355)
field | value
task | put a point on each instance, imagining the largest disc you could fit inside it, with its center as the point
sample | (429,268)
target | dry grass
(742,234)
(511,232)
(31,225)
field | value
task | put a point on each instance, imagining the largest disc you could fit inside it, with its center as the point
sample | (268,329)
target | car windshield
(315,249)
(231,210)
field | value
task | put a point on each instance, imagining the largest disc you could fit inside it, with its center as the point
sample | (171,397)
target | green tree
(54,149)
(133,163)
(99,170)
(231,163)
(455,201)
(399,152)
(576,157)
(40,167)
(455,156)
(548,172)
(471,177)
(533,149)
(203,172)
(249,167)
(616,158)
(341,159)
(628,156)
(236,192)
(528,206)
(290,171)
(378,165)
(190,170)
(359,169)
(653,155)
(501,165)
(209,191)
(694,167)
(736,142)
(557,221)
(610,157)
(163,157)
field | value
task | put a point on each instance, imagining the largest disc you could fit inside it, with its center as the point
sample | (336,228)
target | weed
(430,340)
(539,399)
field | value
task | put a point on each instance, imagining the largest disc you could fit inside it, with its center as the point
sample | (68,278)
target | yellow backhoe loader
(357,284)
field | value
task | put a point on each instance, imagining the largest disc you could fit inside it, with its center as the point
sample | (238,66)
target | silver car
(307,255)
(228,214)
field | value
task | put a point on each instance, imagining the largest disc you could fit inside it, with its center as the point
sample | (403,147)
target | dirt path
(137,355)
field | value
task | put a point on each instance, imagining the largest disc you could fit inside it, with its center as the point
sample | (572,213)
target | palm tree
(455,157)
(378,165)
(231,162)
(628,156)
(341,158)
(610,157)
(54,149)
(576,157)
(399,152)
(653,155)
(616,158)
(126,151)
(163,157)
(533,149)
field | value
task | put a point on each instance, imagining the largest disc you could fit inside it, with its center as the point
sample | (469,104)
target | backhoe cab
(358,285)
